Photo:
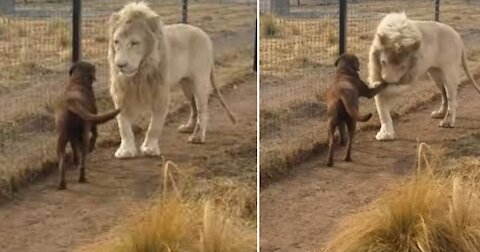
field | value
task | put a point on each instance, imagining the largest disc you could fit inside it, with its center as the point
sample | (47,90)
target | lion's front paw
(151,150)
(437,114)
(446,123)
(196,139)
(126,151)
(384,135)
(186,128)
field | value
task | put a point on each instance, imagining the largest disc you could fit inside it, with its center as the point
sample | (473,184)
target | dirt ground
(42,218)
(299,212)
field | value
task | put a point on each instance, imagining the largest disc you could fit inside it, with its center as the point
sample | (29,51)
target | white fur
(416,47)
(154,57)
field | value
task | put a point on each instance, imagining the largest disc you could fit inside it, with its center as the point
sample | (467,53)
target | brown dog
(342,102)
(76,116)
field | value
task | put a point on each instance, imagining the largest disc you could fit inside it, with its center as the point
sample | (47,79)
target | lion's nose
(121,65)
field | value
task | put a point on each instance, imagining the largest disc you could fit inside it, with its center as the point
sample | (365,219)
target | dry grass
(268,26)
(40,39)
(180,221)
(436,210)
(297,63)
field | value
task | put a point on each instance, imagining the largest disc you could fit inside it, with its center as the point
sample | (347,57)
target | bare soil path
(299,212)
(45,219)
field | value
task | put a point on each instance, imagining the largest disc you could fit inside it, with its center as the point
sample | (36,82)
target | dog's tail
(467,71)
(220,97)
(352,109)
(86,115)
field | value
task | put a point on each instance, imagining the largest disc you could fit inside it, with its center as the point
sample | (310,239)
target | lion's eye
(133,43)
(116,42)
(384,62)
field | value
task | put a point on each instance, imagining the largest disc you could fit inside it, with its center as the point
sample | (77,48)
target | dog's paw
(196,139)
(438,114)
(186,129)
(150,150)
(125,151)
(347,159)
(329,163)
(384,135)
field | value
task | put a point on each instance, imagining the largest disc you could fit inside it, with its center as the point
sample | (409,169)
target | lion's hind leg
(452,80)
(188,91)
(437,77)
(201,93)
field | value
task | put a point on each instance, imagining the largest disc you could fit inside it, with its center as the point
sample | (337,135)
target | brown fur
(342,102)
(76,116)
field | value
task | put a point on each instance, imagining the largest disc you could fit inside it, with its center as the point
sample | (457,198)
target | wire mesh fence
(299,43)
(36,52)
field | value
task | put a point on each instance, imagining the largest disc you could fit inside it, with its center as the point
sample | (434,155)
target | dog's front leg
(383,107)
(150,146)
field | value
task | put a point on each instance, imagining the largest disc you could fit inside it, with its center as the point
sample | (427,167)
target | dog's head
(84,71)
(348,62)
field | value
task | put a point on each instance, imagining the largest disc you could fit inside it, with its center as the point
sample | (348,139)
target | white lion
(402,51)
(146,59)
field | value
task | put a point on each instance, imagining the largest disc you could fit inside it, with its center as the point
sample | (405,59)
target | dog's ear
(356,64)
(338,60)
(72,68)
(93,73)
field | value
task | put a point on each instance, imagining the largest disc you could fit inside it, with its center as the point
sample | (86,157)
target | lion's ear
(416,45)
(382,38)
(154,23)
(113,18)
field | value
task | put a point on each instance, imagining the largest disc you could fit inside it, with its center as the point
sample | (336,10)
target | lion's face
(131,43)
(397,61)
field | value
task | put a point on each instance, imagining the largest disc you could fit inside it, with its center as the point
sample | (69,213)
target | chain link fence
(299,44)
(36,52)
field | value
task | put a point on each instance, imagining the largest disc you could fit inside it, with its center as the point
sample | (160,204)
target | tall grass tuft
(430,212)
(269,26)
(177,222)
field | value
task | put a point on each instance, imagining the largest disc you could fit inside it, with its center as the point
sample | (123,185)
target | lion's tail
(467,71)
(220,97)
(353,111)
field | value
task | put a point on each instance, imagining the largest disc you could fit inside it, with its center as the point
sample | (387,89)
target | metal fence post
(255,48)
(76,30)
(342,29)
(184,11)
(437,10)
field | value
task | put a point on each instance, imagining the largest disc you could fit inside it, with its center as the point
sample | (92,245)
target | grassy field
(434,210)
(297,56)
(35,57)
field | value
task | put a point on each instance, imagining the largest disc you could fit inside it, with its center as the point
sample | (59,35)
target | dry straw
(433,212)
(178,223)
